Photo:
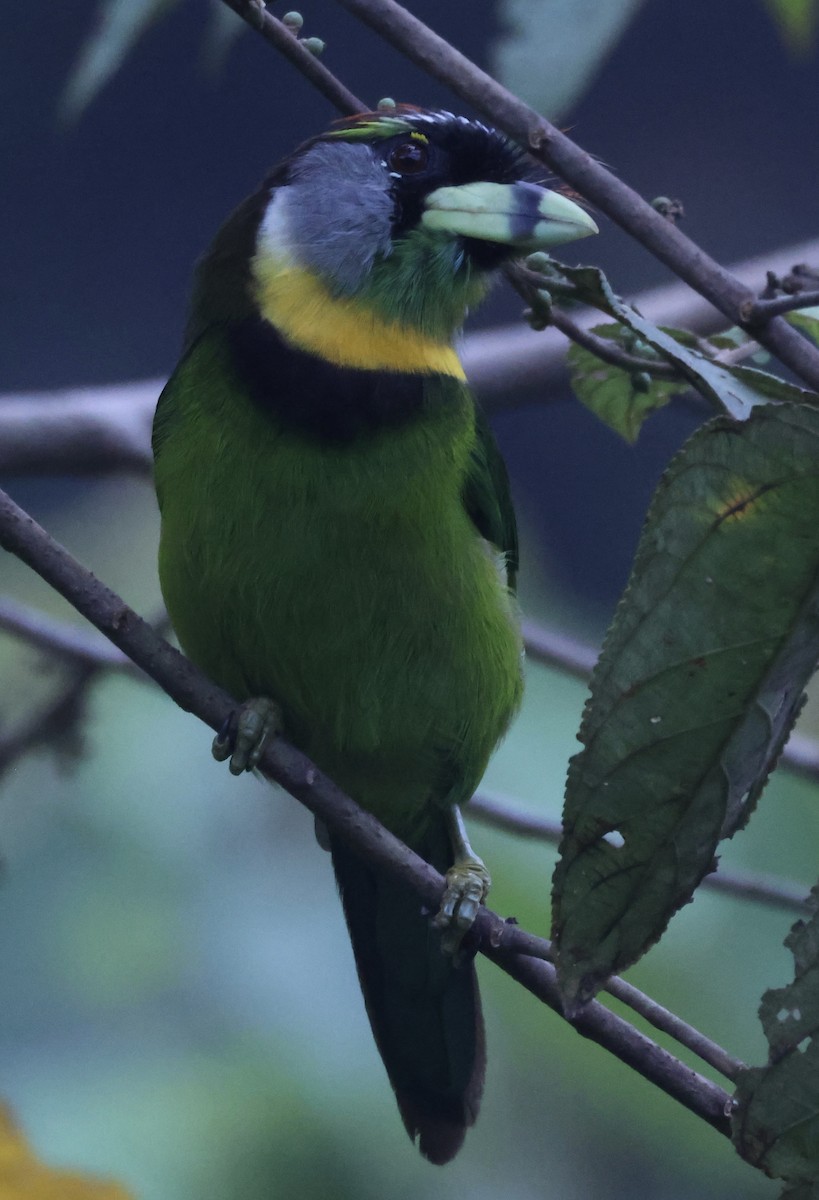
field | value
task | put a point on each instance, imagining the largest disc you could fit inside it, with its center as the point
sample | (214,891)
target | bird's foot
(467,886)
(246,734)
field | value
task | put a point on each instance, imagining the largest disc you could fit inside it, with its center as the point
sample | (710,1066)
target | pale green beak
(521,215)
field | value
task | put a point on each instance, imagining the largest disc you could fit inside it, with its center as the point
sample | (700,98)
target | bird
(338,545)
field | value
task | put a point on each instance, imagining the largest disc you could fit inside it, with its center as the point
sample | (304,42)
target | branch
(615,198)
(79,431)
(503,364)
(763,310)
(105,429)
(502,813)
(89,650)
(66,641)
(499,940)
(56,723)
(277,33)
(94,651)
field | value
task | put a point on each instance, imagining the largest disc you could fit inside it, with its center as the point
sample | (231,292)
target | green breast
(345,580)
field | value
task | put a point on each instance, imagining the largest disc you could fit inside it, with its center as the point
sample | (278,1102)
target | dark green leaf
(776,1124)
(610,392)
(736,390)
(699,683)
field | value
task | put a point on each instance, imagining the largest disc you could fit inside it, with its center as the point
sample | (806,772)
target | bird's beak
(520,215)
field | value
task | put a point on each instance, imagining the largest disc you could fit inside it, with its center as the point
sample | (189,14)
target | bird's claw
(246,734)
(467,885)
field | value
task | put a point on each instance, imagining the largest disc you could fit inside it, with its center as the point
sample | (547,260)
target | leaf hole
(615,839)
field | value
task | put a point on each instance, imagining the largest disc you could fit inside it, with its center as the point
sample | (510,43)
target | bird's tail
(425,1011)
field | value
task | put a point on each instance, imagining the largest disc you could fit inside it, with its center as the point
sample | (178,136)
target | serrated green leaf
(610,392)
(736,390)
(550,49)
(699,683)
(120,25)
(796,21)
(776,1123)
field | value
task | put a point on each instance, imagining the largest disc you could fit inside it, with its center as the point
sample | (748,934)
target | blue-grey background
(178,1001)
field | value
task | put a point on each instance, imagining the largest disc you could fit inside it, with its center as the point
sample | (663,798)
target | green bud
(540,261)
(537,320)
(293,21)
(640,381)
(387,105)
(314,45)
(672,210)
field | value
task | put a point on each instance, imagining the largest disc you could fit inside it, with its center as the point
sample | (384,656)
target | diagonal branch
(84,649)
(615,198)
(511,948)
(277,33)
(502,813)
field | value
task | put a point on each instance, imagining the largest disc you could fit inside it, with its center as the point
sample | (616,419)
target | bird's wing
(487,499)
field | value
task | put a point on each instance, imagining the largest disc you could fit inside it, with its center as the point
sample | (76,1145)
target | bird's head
(403,214)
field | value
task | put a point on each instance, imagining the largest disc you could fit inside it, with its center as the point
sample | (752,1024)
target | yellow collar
(341,330)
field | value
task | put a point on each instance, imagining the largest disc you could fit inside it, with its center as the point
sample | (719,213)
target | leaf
(223,30)
(620,399)
(24,1177)
(806,319)
(776,1123)
(697,688)
(796,20)
(736,390)
(121,24)
(551,49)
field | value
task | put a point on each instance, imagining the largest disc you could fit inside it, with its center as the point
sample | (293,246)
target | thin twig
(62,639)
(592,180)
(610,352)
(556,649)
(763,310)
(667,1021)
(277,33)
(502,813)
(54,724)
(500,941)
(513,365)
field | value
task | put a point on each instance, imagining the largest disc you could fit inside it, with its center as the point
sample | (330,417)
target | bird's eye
(409,158)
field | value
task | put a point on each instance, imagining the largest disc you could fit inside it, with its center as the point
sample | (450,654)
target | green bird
(338,541)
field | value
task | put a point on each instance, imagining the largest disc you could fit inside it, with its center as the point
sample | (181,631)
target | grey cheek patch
(339,212)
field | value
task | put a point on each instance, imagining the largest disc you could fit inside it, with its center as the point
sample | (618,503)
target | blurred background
(179,1004)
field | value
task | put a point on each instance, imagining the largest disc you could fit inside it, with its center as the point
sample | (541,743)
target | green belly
(349,585)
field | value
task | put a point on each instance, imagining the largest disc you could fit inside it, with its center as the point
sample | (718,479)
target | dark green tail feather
(425,1012)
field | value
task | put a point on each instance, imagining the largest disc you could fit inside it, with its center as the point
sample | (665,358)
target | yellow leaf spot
(743,500)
